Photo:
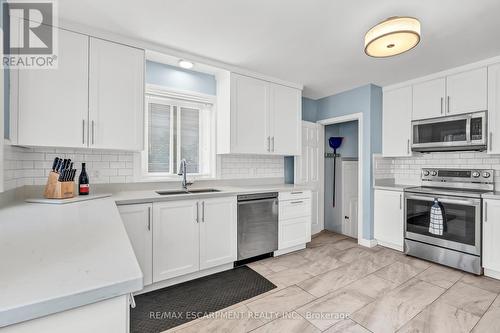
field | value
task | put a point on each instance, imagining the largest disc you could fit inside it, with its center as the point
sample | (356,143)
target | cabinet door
(175,239)
(491,234)
(429,99)
(388,218)
(116,96)
(285,120)
(396,122)
(494,109)
(53,103)
(294,232)
(138,223)
(467,91)
(249,115)
(217,232)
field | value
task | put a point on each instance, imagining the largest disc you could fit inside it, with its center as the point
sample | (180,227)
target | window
(178,126)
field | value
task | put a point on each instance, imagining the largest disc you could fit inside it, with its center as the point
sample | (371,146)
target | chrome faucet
(183,173)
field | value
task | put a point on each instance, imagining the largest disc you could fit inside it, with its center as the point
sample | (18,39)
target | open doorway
(342,178)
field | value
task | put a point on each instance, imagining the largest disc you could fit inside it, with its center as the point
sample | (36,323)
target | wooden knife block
(58,190)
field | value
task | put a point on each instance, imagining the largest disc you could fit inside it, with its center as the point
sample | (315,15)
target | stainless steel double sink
(188,191)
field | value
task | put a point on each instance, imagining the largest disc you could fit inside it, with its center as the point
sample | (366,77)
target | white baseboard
(391,245)
(184,278)
(290,249)
(367,242)
(492,273)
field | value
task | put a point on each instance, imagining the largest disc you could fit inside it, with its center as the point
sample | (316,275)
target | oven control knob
(486,175)
(476,174)
(434,173)
(426,172)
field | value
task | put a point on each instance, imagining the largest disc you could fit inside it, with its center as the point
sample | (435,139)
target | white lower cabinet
(218,232)
(294,227)
(138,223)
(193,235)
(176,243)
(389,218)
(491,234)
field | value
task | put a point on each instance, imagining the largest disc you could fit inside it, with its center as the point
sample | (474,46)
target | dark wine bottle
(83,182)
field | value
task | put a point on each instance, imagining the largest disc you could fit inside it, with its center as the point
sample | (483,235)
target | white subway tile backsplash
(31,166)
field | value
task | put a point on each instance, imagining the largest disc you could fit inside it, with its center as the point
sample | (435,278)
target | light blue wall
(6,93)
(368,101)
(349,148)
(179,78)
(309,109)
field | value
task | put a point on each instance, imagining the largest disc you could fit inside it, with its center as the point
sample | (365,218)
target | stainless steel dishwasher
(257,224)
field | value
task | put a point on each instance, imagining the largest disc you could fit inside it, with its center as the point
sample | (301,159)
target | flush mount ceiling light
(185,64)
(392,36)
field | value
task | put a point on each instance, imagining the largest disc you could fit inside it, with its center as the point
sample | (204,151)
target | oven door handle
(444,199)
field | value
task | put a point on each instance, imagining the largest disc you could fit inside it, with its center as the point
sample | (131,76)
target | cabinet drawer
(293,195)
(295,208)
(293,232)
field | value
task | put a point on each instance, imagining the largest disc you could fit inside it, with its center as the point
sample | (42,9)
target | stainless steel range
(443,217)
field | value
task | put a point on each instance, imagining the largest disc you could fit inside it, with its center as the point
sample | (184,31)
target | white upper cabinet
(467,91)
(53,103)
(429,99)
(396,122)
(137,220)
(250,115)
(286,121)
(494,109)
(257,117)
(116,96)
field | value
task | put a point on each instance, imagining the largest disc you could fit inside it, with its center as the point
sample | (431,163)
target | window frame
(179,98)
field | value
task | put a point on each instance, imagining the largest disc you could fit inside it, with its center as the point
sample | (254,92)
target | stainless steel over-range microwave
(450,133)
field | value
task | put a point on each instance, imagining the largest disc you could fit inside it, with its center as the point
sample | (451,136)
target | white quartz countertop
(57,257)
(390,185)
(133,197)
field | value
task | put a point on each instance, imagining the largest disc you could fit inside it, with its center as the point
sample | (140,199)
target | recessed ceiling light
(392,36)
(185,64)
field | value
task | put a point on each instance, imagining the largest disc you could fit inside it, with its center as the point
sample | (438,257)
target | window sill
(173,179)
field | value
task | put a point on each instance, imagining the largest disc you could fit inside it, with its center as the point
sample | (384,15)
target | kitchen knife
(58,166)
(63,164)
(68,163)
(54,164)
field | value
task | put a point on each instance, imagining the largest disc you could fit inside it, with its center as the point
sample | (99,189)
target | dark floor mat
(162,309)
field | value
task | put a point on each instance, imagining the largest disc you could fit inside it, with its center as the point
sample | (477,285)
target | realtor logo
(29,36)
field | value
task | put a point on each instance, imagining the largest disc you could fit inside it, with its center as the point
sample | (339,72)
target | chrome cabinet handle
(203,211)
(490,141)
(296,192)
(269,144)
(408,147)
(93,132)
(296,202)
(442,100)
(486,211)
(272,144)
(149,218)
(448,104)
(83,131)
(197,212)
(400,201)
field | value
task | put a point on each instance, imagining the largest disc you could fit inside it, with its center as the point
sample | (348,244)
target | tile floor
(334,285)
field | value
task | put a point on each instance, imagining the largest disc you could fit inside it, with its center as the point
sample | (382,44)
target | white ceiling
(318,43)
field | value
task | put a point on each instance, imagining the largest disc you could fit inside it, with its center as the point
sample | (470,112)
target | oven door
(461,222)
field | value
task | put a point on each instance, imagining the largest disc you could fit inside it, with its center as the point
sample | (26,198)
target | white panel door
(429,99)
(350,198)
(467,91)
(396,122)
(309,170)
(53,103)
(491,234)
(494,109)
(249,115)
(138,223)
(218,235)
(116,96)
(286,113)
(176,243)
(388,218)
